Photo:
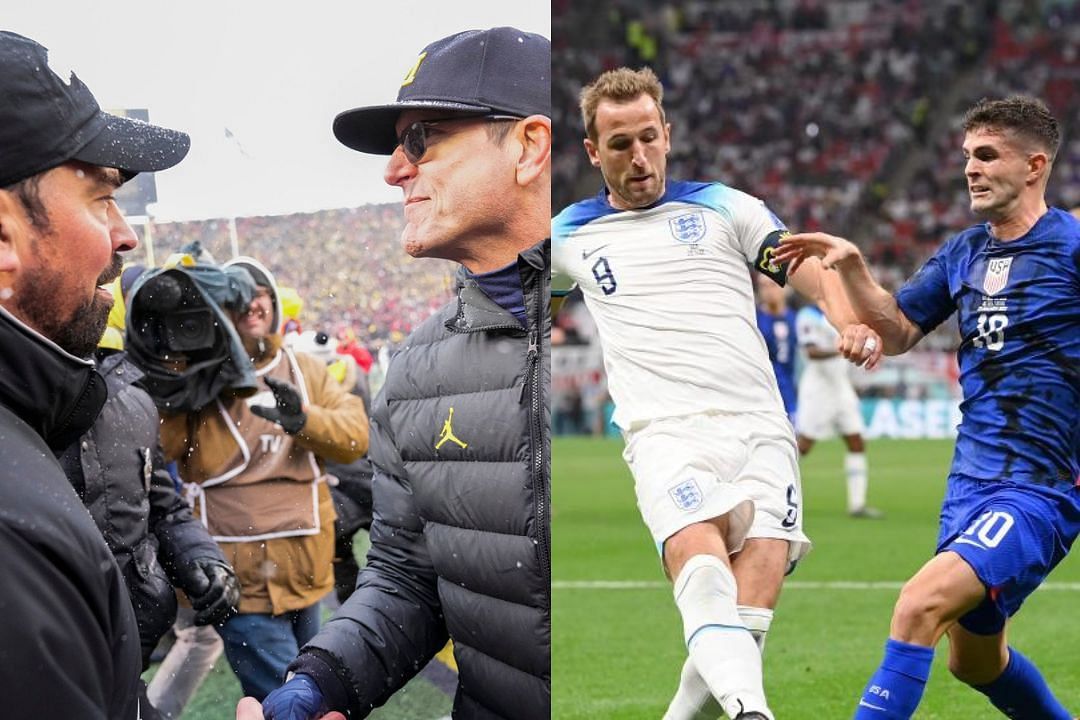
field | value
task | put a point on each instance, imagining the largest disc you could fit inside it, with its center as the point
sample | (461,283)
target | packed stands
(818,107)
(348,266)
(842,116)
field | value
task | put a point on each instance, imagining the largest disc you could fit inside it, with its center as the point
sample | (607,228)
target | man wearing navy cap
(460,443)
(69,645)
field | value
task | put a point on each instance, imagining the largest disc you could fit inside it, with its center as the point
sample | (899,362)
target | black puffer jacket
(460,540)
(118,470)
(68,643)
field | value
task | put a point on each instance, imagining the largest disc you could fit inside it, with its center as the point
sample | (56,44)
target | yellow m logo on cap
(411,75)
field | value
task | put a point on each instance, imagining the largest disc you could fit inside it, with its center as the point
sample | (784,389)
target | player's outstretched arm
(871,304)
(864,347)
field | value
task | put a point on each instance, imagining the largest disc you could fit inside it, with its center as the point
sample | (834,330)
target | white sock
(757,621)
(721,649)
(855,468)
(692,700)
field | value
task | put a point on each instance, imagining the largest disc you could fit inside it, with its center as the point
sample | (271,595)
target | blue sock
(1020,692)
(895,689)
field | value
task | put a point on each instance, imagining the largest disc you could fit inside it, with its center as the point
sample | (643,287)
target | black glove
(212,587)
(289,412)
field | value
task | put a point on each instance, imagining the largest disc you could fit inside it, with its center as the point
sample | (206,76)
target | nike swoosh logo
(586,254)
(863,703)
(965,541)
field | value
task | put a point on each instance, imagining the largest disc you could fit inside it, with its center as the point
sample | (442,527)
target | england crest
(997,274)
(687,495)
(688,228)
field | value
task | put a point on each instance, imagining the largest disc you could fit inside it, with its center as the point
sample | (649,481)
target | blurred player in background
(828,405)
(1012,502)
(663,269)
(776,321)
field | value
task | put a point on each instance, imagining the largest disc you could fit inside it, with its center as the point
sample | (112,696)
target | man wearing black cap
(460,538)
(69,646)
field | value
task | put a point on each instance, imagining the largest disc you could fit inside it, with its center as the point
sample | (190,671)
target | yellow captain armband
(765,262)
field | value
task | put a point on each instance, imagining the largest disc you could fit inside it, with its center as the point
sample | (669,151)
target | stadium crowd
(813,106)
(370,287)
(1032,53)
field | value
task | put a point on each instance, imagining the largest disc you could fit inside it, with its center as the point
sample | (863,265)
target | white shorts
(698,467)
(827,409)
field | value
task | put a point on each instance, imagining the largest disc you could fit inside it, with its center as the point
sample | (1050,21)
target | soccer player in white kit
(829,406)
(663,267)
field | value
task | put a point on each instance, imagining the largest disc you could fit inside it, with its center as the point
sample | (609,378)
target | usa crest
(688,228)
(687,495)
(997,275)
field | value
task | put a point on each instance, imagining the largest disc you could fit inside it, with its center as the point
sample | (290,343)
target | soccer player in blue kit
(776,321)
(1012,504)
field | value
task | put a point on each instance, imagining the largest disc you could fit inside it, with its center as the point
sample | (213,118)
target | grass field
(617,649)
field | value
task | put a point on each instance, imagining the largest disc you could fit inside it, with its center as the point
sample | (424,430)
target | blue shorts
(1012,535)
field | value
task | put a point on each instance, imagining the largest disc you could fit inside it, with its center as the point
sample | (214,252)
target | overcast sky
(274,77)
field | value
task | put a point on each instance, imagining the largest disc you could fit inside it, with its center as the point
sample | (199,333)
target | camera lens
(189,330)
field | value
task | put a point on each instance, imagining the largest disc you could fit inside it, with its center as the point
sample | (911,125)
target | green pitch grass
(217,698)
(617,652)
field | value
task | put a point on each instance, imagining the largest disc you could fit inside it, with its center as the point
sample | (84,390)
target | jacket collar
(477,312)
(51,390)
(118,370)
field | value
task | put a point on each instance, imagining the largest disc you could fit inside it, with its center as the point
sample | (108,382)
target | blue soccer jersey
(781,341)
(1018,305)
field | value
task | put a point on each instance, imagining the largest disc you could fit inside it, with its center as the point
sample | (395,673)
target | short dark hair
(1026,117)
(28,191)
(499,130)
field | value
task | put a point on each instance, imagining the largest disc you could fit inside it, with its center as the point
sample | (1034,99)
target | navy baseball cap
(48,117)
(477,72)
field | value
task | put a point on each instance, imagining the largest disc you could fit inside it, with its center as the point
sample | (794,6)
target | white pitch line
(789,585)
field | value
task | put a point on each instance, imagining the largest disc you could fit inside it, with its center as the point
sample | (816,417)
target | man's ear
(534,134)
(1038,167)
(593,153)
(13,228)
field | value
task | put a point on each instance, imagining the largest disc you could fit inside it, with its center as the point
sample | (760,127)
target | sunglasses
(414,139)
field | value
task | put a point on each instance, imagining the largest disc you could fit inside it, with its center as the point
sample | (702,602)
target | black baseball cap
(48,118)
(477,72)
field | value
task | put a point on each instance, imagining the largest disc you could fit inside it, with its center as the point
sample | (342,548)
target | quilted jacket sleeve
(392,625)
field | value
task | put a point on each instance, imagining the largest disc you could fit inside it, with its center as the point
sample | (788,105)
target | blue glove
(298,699)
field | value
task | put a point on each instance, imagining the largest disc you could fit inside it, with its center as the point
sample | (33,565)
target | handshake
(298,699)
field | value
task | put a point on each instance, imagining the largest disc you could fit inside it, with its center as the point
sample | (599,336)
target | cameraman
(255,468)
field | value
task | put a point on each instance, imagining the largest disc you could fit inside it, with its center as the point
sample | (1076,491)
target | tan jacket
(287,573)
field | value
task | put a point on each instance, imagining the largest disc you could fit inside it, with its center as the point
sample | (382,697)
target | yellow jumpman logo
(448,433)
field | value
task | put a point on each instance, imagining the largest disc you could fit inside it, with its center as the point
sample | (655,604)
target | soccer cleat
(867,513)
(751,716)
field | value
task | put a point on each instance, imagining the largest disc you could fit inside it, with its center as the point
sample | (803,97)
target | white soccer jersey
(827,401)
(673,300)
(814,331)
